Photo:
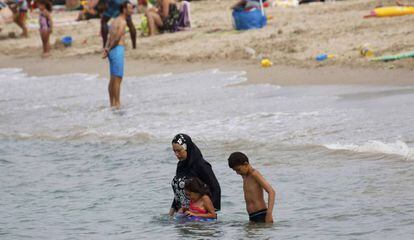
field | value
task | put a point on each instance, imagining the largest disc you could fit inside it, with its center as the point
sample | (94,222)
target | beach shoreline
(255,74)
(292,39)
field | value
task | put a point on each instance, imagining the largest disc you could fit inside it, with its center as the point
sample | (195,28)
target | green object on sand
(395,57)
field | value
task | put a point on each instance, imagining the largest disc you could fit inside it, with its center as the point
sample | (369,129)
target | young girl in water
(46,24)
(200,202)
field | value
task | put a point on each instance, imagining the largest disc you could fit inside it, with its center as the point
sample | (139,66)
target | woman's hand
(172,211)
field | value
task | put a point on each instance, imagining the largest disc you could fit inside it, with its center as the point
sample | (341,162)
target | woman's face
(179,151)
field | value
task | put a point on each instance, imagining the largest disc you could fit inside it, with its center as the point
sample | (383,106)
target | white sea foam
(395,148)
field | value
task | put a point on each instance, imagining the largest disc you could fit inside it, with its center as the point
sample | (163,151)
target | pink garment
(44,22)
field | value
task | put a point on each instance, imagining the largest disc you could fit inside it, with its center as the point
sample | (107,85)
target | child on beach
(253,185)
(200,201)
(46,24)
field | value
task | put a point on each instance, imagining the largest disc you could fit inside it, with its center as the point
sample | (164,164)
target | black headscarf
(196,166)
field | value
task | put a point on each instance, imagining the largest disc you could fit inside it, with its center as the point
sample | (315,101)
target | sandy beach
(291,40)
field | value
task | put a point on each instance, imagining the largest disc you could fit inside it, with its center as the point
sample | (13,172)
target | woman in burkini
(200,202)
(191,164)
(46,24)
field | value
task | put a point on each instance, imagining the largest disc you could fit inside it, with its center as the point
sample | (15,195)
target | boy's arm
(270,192)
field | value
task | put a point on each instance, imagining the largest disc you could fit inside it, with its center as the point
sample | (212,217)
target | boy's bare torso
(253,193)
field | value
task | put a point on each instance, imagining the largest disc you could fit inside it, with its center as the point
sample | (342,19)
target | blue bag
(248,20)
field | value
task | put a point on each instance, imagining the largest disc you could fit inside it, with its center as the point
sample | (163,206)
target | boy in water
(253,185)
(115,50)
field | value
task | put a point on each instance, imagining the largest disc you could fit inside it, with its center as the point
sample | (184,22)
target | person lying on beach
(164,17)
(253,185)
(46,24)
(200,201)
(112,11)
(397,2)
(19,9)
(115,52)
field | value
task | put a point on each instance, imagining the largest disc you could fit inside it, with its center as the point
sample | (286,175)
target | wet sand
(279,75)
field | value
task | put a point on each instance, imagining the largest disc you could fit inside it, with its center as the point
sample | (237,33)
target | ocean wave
(397,148)
(82,135)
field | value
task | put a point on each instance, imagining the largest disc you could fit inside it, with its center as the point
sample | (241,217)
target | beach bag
(245,20)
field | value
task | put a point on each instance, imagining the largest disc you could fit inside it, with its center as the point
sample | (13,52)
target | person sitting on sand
(19,9)
(115,50)
(6,15)
(46,24)
(253,185)
(164,17)
(112,11)
(90,10)
(200,200)
(247,5)
(397,2)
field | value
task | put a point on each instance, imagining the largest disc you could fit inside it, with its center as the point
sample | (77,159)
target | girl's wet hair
(195,185)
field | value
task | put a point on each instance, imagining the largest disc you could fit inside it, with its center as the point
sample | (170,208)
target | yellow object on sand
(266,62)
(391,11)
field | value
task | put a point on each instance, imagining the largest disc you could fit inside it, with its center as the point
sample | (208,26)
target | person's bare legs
(104,29)
(154,21)
(132,31)
(114,90)
(111,90)
(20,20)
(117,91)
(44,35)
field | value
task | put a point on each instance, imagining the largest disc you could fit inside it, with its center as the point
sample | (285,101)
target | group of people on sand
(197,192)
(20,9)
(165,16)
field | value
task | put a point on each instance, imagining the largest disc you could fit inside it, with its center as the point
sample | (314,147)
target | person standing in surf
(115,51)
(191,164)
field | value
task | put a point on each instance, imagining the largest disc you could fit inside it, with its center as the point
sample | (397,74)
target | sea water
(340,157)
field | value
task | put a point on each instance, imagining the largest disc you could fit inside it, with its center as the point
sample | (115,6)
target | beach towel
(248,20)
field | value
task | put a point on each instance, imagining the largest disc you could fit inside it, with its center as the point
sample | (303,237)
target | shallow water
(340,157)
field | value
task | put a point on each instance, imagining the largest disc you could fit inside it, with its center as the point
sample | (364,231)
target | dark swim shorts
(258,217)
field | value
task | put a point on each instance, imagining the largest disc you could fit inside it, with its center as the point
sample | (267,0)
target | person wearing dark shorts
(258,217)
(254,185)
(112,11)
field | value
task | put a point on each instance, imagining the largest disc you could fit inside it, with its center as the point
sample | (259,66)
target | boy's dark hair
(237,159)
(194,184)
(123,6)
